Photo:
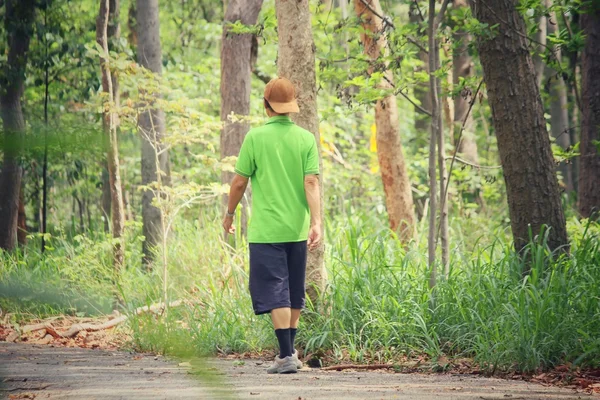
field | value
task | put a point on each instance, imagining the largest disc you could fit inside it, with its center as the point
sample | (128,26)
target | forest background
(153,105)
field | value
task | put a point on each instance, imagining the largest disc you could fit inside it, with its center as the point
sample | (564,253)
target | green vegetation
(378,304)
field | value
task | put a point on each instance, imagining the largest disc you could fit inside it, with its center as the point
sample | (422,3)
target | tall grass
(377,304)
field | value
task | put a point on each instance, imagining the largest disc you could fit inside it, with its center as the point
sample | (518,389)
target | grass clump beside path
(377,306)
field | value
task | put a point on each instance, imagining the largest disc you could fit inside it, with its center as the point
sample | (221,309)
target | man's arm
(313,198)
(236,192)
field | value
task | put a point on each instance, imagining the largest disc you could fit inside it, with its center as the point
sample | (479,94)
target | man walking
(282,161)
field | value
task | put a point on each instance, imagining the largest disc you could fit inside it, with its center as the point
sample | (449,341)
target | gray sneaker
(285,365)
(296,359)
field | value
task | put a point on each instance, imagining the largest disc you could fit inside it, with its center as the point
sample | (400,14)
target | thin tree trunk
(296,61)
(236,79)
(18,20)
(559,108)
(421,90)
(444,234)
(398,194)
(105,203)
(44,220)
(540,38)
(22,219)
(436,117)
(462,67)
(151,125)
(109,12)
(589,173)
(518,116)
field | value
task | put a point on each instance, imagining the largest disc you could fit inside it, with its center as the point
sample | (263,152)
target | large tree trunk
(462,67)
(108,15)
(151,125)
(398,194)
(236,79)
(518,116)
(421,90)
(559,108)
(18,20)
(589,172)
(296,62)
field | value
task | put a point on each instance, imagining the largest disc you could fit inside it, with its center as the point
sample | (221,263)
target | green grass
(377,305)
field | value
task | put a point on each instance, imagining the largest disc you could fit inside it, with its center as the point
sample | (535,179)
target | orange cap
(281,95)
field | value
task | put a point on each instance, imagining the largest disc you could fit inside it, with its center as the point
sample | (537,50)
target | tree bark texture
(18,24)
(151,125)
(463,67)
(518,116)
(398,194)
(589,167)
(108,14)
(559,108)
(421,90)
(236,79)
(296,62)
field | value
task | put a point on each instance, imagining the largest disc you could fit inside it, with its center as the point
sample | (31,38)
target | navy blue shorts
(277,275)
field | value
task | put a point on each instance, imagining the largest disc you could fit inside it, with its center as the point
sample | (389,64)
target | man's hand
(314,237)
(228,225)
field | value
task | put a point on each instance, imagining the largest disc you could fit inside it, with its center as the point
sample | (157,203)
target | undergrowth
(377,305)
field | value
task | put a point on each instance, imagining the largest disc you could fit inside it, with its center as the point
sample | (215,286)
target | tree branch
(261,75)
(400,92)
(460,160)
(386,20)
(416,2)
(416,43)
(418,107)
(438,18)
(357,366)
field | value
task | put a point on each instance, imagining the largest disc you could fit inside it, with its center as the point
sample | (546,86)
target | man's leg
(295,318)
(296,253)
(281,322)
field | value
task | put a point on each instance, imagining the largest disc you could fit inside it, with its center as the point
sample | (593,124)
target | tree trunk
(18,20)
(22,220)
(108,15)
(398,194)
(518,116)
(296,62)
(421,90)
(540,38)
(441,148)
(462,67)
(559,108)
(589,172)
(151,125)
(436,119)
(236,79)
(105,201)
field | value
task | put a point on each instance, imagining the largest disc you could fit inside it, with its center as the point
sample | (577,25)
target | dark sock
(283,336)
(293,337)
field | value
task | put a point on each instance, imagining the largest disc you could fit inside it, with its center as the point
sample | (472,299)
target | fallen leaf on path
(22,396)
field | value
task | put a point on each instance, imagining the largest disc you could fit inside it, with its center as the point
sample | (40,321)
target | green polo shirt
(276,157)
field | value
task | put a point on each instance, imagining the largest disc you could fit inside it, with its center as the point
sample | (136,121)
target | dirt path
(43,372)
